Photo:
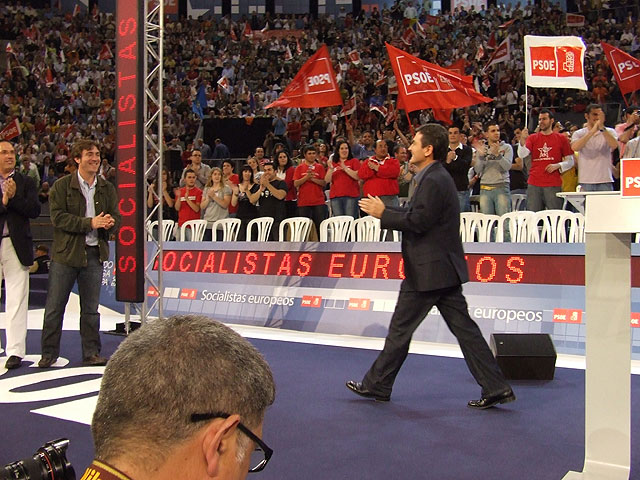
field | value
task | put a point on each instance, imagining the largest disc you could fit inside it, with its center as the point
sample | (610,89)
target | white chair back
(518,224)
(298,229)
(336,229)
(477,227)
(576,234)
(197,228)
(551,226)
(365,229)
(230,228)
(263,226)
(167,229)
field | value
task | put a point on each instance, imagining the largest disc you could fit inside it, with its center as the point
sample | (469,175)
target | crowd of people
(60,85)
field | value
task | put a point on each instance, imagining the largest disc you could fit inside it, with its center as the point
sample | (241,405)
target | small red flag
(12,130)
(625,68)
(313,86)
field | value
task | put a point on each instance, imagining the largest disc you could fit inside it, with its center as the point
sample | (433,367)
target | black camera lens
(48,463)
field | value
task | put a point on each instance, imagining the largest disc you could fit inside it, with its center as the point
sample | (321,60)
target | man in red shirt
(380,174)
(551,154)
(188,199)
(308,178)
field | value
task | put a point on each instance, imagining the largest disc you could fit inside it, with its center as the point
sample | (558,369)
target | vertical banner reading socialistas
(130,241)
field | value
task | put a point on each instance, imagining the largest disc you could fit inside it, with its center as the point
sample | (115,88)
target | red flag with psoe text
(625,68)
(554,62)
(426,85)
(12,130)
(313,86)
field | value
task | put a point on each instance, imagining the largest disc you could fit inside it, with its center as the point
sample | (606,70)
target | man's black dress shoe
(46,361)
(13,362)
(359,389)
(488,402)
(94,361)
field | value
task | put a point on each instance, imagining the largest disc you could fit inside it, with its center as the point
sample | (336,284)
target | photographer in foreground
(182,397)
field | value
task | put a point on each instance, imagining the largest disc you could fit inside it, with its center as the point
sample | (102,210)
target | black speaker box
(525,356)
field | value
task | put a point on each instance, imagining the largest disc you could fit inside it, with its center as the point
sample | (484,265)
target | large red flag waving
(314,85)
(625,68)
(426,85)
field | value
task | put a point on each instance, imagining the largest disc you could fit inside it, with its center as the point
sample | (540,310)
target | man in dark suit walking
(19,203)
(435,269)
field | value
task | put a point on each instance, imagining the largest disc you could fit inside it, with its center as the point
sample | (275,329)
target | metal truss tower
(153,154)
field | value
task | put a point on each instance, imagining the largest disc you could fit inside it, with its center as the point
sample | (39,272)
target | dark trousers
(317,213)
(411,309)
(61,280)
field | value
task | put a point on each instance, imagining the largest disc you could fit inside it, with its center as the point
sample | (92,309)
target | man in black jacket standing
(435,269)
(458,163)
(19,204)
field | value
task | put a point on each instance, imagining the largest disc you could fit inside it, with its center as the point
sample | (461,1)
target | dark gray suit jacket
(17,213)
(430,225)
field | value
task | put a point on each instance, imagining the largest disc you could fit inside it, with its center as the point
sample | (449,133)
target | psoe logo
(359,304)
(311,301)
(567,315)
(635,319)
(188,294)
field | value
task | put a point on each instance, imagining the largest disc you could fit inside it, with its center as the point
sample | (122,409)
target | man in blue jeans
(493,164)
(84,213)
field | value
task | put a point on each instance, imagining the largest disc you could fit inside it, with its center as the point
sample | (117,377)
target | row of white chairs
(342,228)
(547,226)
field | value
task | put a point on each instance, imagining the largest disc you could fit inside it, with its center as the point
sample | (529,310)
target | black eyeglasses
(262,453)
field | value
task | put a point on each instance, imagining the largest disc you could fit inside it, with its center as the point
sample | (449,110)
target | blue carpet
(319,430)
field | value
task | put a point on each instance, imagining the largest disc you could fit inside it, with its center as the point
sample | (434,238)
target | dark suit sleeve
(25,202)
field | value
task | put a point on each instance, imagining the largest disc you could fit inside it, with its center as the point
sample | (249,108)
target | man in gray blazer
(435,269)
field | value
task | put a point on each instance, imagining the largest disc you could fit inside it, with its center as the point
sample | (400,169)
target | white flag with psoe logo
(554,62)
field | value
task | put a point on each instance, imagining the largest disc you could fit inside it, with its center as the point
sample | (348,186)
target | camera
(48,463)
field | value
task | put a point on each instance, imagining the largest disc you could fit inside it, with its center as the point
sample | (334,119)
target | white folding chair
(551,226)
(365,229)
(576,233)
(477,227)
(230,228)
(196,228)
(298,229)
(518,201)
(336,229)
(263,227)
(517,223)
